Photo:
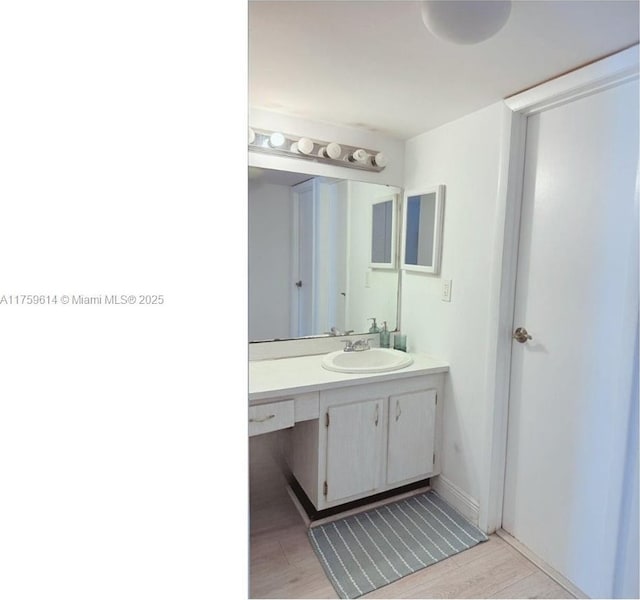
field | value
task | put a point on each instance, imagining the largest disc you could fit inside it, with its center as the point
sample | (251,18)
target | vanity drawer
(270,417)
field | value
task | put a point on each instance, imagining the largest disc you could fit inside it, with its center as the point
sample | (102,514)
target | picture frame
(422,223)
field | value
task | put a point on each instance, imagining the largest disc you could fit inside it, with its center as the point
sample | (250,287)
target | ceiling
(373,64)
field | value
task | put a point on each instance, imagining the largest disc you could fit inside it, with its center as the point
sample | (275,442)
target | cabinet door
(412,420)
(354,445)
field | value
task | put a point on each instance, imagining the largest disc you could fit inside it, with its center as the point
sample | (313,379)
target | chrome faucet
(357,346)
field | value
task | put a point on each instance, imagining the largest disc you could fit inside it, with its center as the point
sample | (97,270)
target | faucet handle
(348,345)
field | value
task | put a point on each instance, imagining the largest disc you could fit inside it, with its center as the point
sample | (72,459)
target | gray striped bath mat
(369,550)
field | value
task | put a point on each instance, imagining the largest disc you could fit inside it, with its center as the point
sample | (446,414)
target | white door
(412,419)
(354,448)
(304,259)
(570,384)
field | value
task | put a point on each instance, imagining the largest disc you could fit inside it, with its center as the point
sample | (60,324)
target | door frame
(594,77)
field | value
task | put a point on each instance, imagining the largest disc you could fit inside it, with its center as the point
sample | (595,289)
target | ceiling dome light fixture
(465,21)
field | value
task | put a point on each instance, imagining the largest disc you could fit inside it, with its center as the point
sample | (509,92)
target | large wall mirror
(422,229)
(312,244)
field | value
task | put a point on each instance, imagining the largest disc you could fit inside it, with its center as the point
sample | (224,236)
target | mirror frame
(392,264)
(434,267)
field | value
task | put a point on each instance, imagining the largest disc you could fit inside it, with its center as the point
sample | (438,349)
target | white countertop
(299,374)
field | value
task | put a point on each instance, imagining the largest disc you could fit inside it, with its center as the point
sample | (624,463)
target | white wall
(392,174)
(464,155)
(270,230)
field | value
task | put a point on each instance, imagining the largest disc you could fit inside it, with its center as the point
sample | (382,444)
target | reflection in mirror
(383,229)
(310,257)
(423,230)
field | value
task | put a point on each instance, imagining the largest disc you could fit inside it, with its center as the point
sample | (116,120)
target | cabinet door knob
(377,415)
(398,410)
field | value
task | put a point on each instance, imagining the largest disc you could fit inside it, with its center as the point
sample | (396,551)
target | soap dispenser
(385,336)
(374,326)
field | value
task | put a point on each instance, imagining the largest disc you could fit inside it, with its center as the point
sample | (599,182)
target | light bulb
(294,147)
(305,146)
(276,140)
(252,136)
(359,155)
(331,150)
(379,160)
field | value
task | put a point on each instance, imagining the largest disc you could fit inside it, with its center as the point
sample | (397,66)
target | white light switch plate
(446,290)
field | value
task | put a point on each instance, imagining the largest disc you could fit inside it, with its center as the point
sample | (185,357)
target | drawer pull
(398,410)
(261,420)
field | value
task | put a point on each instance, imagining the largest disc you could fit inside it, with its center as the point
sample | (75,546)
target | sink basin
(375,360)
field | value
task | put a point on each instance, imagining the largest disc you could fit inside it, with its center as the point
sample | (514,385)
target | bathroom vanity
(353,435)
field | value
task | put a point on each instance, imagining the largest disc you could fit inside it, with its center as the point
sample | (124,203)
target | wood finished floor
(283,564)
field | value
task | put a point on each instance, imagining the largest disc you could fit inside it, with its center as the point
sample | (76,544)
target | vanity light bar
(293,146)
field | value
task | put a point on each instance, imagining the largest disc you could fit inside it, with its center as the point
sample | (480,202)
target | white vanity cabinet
(368,438)
(412,428)
(354,438)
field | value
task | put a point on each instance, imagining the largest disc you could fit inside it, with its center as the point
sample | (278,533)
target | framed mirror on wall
(383,232)
(423,211)
(310,253)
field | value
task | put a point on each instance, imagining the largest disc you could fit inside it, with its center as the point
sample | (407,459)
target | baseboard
(467,506)
(538,562)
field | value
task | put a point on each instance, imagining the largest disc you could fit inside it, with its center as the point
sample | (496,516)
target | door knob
(521,335)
